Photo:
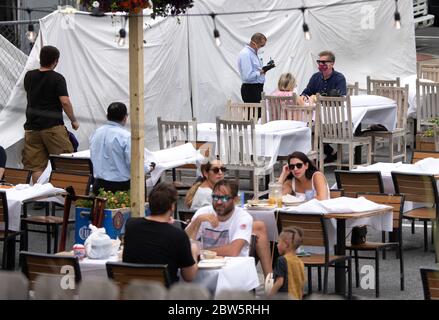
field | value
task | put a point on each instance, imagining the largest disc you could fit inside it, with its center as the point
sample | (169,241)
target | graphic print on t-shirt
(214,238)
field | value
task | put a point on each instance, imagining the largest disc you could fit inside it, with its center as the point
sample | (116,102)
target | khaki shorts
(38,144)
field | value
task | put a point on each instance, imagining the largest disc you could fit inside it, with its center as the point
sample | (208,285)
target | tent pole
(137,192)
(189,67)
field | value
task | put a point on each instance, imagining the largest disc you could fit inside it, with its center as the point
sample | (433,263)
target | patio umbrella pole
(137,115)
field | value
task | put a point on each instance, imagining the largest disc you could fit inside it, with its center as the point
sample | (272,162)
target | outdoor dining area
(221,199)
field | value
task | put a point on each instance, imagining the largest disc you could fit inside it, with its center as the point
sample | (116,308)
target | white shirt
(238,226)
(202,198)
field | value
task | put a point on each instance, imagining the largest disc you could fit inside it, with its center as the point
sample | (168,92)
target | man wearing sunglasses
(326,82)
(222,227)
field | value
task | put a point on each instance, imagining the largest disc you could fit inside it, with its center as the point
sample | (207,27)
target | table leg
(10,249)
(340,271)
(357,159)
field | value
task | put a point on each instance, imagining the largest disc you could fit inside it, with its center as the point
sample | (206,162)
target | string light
(216,33)
(122,35)
(305,25)
(397,16)
(30,34)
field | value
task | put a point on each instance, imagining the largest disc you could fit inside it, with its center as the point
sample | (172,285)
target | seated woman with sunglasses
(302,179)
(200,195)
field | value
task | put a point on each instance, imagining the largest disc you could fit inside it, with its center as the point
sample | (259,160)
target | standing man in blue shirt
(251,70)
(110,152)
(326,82)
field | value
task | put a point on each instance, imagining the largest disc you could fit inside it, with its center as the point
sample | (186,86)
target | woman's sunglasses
(294,165)
(216,170)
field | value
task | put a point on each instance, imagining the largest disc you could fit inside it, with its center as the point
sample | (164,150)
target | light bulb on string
(121,38)
(216,34)
(31,34)
(305,27)
(397,20)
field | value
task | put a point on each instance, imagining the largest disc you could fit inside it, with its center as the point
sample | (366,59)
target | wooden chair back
(334,118)
(353,89)
(416,187)
(274,104)
(336,193)
(35,264)
(400,95)
(170,132)
(427,102)
(430,283)
(246,111)
(373,83)
(71,164)
(17,176)
(236,142)
(314,230)
(122,273)
(79,182)
(419,155)
(396,201)
(429,72)
(356,181)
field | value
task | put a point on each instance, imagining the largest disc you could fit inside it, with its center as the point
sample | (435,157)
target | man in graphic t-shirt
(222,227)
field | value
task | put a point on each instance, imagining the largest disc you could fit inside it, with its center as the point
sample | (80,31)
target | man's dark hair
(230,184)
(116,111)
(161,198)
(48,55)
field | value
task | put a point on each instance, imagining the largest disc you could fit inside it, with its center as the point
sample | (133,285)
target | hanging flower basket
(159,7)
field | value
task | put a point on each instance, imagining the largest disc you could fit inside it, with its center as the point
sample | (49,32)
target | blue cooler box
(114,223)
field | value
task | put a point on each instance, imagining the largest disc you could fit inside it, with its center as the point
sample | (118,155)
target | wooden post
(137,115)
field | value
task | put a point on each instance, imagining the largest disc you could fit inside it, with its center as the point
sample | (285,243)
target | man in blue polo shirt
(326,82)
(251,69)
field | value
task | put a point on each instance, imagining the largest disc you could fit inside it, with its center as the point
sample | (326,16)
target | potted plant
(425,141)
(116,213)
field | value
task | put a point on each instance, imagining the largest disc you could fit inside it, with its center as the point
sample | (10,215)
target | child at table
(289,271)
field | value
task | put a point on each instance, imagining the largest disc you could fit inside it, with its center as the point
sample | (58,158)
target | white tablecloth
(238,273)
(273,139)
(22,192)
(165,159)
(337,205)
(371,109)
(411,81)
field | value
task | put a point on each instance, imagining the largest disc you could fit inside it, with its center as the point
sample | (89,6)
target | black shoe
(330,158)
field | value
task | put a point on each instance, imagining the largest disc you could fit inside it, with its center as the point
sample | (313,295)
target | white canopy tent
(182,63)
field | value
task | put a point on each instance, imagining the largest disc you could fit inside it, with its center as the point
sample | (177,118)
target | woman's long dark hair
(304,158)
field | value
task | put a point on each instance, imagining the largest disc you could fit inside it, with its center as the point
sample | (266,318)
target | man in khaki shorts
(47,98)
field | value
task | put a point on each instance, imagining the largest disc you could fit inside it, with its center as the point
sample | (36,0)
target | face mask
(323,67)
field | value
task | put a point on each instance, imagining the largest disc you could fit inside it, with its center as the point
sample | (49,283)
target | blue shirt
(319,85)
(250,66)
(110,152)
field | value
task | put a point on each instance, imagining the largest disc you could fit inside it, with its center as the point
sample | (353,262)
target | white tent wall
(182,61)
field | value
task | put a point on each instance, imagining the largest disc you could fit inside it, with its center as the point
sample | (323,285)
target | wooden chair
(73,165)
(237,150)
(17,176)
(419,188)
(419,155)
(427,103)
(7,236)
(274,104)
(430,283)
(334,116)
(35,264)
(123,273)
(371,84)
(356,181)
(173,132)
(400,95)
(246,111)
(315,234)
(336,193)
(81,186)
(429,72)
(353,89)
(305,114)
(397,202)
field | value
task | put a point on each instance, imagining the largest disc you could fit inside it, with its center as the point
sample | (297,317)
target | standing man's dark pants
(251,93)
